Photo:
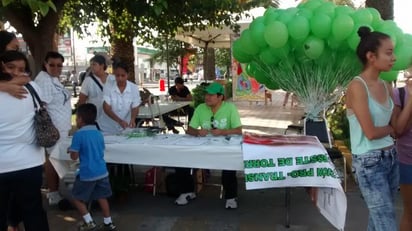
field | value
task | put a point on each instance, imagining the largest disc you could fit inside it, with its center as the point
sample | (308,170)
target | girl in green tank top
(369,111)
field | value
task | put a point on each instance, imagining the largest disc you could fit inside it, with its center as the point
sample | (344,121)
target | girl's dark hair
(369,42)
(10,56)
(121,65)
(5,39)
(52,55)
(87,112)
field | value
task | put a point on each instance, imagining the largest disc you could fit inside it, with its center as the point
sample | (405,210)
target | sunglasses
(212,124)
(55,65)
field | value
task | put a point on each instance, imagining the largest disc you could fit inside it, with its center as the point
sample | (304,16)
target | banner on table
(295,161)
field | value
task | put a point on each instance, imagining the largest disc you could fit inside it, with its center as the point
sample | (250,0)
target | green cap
(215,88)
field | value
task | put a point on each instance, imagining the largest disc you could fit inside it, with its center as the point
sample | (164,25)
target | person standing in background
(57,98)
(93,85)
(403,128)
(74,81)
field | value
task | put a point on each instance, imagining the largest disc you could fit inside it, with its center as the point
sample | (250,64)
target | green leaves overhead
(36,6)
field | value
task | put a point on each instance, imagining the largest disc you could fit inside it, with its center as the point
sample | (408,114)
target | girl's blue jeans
(378,177)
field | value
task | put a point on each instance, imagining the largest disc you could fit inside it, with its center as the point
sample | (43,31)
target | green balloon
(333,43)
(346,10)
(272,85)
(407,38)
(320,25)
(251,68)
(260,75)
(376,17)
(239,54)
(257,29)
(353,40)
(282,52)
(389,76)
(269,10)
(276,34)
(327,8)
(342,27)
(312,5)
(268,57)
(389,27)
(325,58)
(298,27)
(287,15)
(308,14)
(314,47)
(272,16)
(248,44)
(403,57)
(362,17)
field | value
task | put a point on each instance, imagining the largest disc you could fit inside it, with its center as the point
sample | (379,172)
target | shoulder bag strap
(34,95)
(402,96)
(96,81)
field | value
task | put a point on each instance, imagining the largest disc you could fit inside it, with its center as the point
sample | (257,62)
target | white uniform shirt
(18,150)
(94,93)
(58,102)
(121,104)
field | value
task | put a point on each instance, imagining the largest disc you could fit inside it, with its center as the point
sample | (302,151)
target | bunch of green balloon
(311,31)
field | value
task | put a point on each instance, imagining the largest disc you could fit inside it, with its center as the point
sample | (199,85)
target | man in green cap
(218,118)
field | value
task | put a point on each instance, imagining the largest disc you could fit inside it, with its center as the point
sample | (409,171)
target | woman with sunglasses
(57,98)
(21,159)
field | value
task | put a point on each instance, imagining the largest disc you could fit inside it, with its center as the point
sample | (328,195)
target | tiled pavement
(259,210)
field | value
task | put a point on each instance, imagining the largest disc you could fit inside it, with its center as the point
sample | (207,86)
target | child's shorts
(91,190)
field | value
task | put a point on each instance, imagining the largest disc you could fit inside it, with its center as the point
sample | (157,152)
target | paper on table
(192,141)
(114,139)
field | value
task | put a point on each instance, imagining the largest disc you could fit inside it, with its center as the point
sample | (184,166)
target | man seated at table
(218,118)
(178,92)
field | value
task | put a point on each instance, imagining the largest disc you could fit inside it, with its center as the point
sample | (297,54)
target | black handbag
(47,134)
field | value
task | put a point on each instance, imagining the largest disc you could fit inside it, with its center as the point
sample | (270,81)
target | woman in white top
(121,103)
(21,159)
(93,85)
(57,98)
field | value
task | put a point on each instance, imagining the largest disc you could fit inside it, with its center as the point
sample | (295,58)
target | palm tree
(385,7)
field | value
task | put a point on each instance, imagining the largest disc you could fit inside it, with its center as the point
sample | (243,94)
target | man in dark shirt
(178,92)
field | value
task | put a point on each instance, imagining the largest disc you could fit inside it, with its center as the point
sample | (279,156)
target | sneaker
(88,226)
(231,203)
(184,198)
(54,198)
(109,227)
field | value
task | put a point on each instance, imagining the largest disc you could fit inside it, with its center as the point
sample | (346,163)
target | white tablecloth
(147,112)
(162,150)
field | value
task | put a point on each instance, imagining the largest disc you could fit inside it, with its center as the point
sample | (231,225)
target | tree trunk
(385,7)
(209,64)
(122,50)
(121,40)
(40,37)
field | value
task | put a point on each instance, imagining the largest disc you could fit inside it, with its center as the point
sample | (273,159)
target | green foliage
(36,6)
(337,121)
(198,94)
(229,89)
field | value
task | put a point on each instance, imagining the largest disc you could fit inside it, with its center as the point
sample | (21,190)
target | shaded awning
(212,37)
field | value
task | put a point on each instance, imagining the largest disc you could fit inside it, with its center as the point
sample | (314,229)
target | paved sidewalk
(259,210)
